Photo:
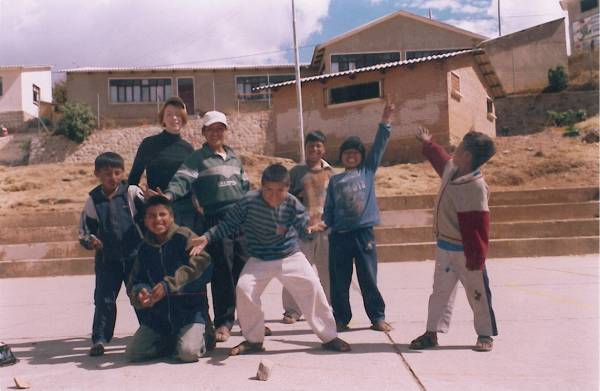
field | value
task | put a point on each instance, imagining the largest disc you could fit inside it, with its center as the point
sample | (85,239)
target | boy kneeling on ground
(272,220)
(168,287)
(461,227)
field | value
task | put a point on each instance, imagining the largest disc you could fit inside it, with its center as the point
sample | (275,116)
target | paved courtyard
(546,309)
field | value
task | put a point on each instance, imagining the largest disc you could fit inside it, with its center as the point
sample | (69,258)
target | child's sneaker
(247,347)
(484,344)
(381,325)
(425,341)
(337,345)
(290,318)
(97,349)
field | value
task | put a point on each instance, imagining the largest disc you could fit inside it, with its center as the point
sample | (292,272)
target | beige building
(22,91)
(134,95)
(583,24)
(450,94)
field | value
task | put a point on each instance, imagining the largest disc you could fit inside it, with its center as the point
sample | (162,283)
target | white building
(22,89)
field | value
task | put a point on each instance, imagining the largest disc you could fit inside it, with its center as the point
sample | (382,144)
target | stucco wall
(400,33)
(522,59)
(11,86)
(43,80)
(420,95)
(469,110)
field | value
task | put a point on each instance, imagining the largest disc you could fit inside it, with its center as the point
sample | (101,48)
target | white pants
(450,267)
(296,274)
(317,253)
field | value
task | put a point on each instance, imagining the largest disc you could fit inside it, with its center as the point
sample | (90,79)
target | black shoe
(97,349)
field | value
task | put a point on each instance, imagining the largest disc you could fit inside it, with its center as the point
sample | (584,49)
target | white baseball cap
(211,117)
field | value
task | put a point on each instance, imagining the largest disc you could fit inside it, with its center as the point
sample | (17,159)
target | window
(1,87)
(455,82)
(354,93)
(139,90)
(36,94)
(412,54)
(587,5)
(490,109)
(345,62)
(246,84)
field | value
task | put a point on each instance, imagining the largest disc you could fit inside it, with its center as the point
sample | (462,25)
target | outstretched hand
(149,193)
(318,227)
(145,298)
(423,134)
(388,110)
(198,245)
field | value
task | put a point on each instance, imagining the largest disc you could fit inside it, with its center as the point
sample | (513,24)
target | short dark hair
(177,102)
(109,159)
(276,173)
(158,200)
(480,146)
(315,136)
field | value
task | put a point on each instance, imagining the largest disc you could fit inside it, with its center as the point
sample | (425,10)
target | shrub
(59,95)
(77,122)
(557,79)
(571,131)
(566,118)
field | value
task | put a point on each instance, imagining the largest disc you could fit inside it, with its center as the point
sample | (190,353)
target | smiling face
(109,177)
(274,193)
(315,150)
(215,135)
(172,119)
(158,219)
(351,158)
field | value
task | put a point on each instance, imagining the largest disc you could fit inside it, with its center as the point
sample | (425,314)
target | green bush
(77,122)
(571,131)
(557,79)
(59,95)
(566,118)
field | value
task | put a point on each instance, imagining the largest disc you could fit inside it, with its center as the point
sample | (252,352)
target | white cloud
(454,6)
(68,33)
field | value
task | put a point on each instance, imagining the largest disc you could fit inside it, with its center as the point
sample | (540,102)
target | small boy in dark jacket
(351,212)
(108,225)
(168,288)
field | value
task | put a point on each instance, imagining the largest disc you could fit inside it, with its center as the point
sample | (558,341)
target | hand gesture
(388,110)
(318,227)
(95,243)
(149,193)
(198,245)
(145,298)
(423,134)
(158,292)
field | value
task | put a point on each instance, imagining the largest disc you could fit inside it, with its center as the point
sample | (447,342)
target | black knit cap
(353,142)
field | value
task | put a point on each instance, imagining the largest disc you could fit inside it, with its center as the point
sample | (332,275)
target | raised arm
(433,152)
(382,137)
(181,183)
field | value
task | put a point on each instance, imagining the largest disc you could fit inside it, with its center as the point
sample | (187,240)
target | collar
(151,239)
(324,164)
(465,178)
(207,151)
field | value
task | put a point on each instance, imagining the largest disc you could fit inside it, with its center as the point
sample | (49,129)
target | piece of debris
(506,151)
(539,154)
(21,384)
(264,369)
(591,136)
(530,149)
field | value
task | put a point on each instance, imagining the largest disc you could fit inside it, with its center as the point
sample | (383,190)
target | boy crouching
(168,287)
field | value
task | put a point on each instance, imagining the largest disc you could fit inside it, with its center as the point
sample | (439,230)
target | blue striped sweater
(271,233)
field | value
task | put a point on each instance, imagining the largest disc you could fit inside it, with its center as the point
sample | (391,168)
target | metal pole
(298,86)
(499,25)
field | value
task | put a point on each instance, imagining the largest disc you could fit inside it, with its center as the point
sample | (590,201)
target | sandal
(247,347)
(484,344)
(381,325)
(337,345)
(290,318)
(425,341)
(222,334)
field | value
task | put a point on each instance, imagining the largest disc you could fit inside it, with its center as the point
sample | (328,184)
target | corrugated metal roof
(177,68)
(24,67)
(371,68)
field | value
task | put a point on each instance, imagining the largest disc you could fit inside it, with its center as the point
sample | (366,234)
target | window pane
(136,93)
(113,93)
(152,92)
(1,87)
(587,5)
(344,62)
(245,84)
(354,93)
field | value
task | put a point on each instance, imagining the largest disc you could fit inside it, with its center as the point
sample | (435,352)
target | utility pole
(499,24)
(298,86)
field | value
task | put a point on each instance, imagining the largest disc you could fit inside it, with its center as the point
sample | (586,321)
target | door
(185,90)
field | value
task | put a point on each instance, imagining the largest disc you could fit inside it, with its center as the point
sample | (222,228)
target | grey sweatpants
(147,344)
(450,267)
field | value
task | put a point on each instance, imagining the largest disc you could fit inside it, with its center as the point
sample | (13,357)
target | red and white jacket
(461,214)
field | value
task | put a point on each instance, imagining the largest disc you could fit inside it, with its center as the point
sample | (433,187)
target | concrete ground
(546,308)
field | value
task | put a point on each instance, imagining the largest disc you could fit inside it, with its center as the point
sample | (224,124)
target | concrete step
(47,250)
(499,248)
(533,212)
(507,230)
(47,267)
(516,197)
(43,219)
(14,235)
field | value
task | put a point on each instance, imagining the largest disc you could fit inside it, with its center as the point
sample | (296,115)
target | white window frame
(491,115)
(109,97)
(36,92)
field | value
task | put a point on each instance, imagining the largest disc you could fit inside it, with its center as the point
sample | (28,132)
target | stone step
(515,230)
(499,248)
(47,267)
(16,235)
(43,219)
(45,250)
(534,212)
(513,197)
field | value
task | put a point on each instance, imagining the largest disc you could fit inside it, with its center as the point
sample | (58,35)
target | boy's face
(158,219)
(462,158)
(109,177)
(315,150)
(351,158)
(215,135)
(274,193)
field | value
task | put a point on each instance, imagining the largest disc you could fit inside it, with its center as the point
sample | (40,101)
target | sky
(112,33)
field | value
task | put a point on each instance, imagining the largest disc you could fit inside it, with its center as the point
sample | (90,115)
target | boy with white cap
(216,177)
